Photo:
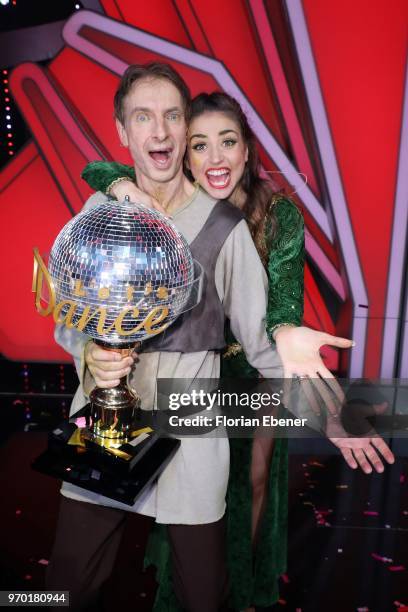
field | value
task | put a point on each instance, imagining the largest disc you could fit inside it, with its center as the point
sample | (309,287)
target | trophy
(119,273)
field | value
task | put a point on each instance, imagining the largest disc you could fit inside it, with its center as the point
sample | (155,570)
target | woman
(222,157)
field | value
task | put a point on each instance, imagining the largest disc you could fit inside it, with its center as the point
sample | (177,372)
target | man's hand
(364,451)
(128,188)
(107,367)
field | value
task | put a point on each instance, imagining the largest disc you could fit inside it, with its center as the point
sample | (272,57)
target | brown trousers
(87,541)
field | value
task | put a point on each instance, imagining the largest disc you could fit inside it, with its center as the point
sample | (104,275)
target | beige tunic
(192,488)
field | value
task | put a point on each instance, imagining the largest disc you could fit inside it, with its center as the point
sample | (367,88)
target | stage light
(8,117)
(4,2)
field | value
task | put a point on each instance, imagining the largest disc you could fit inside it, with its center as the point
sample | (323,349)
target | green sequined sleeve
(100,174)
(286,266)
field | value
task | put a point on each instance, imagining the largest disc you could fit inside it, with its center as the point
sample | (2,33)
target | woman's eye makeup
(198,146)
(201,146)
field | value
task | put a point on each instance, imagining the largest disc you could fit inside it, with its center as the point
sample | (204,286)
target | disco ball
(120,260)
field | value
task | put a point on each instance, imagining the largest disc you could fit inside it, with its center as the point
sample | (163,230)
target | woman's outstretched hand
(299,347)
(299,350)
(364,452)
(136,195)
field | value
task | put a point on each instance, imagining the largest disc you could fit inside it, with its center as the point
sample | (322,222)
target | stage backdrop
(323,84)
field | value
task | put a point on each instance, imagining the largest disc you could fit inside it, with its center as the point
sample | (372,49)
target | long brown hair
(259,192)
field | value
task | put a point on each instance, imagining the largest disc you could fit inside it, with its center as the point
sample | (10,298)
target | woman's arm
(285,267)
(118,181)
(101,174)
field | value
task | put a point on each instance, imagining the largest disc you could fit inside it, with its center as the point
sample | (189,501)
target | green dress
(253,575)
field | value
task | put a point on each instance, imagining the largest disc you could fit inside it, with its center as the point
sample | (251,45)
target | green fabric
(100,174)
(285,266)
(254,578)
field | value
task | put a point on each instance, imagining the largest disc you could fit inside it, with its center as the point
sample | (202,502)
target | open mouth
(219,178)
(162,157)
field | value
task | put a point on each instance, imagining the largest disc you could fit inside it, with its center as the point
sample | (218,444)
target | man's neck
(171,195)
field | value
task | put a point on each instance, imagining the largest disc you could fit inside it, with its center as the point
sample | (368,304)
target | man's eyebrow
(145,109)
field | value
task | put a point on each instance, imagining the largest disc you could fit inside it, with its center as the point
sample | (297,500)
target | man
(151,108)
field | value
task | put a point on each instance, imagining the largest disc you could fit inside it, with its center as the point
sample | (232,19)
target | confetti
(27,577)
(80,422)
(365,609)
(370,513)
(316,463)
(43,562)
(18,512)
(285,578)
(380,558)
(339,550)
(282,602)
(402,478)
(396,568)
(341,486)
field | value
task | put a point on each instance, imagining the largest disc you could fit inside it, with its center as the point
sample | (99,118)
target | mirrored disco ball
(118,256)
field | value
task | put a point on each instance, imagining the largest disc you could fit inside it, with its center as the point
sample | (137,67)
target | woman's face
(216,153)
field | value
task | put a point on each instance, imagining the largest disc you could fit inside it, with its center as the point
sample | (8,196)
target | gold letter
(79,290)
(103,293)
(119,321)
(40,274)
(162,293)
(67,317)
(150,320)
(129,293)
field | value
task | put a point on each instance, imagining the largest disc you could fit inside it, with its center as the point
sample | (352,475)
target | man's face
(154,129)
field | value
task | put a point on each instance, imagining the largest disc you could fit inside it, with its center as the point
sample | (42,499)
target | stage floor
(348,535)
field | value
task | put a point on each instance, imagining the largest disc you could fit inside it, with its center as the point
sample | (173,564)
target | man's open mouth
(219,178)
(161,157)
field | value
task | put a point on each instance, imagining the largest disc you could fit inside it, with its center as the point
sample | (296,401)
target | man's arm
(242,285)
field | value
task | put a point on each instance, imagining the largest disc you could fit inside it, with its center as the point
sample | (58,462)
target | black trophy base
(122,476)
